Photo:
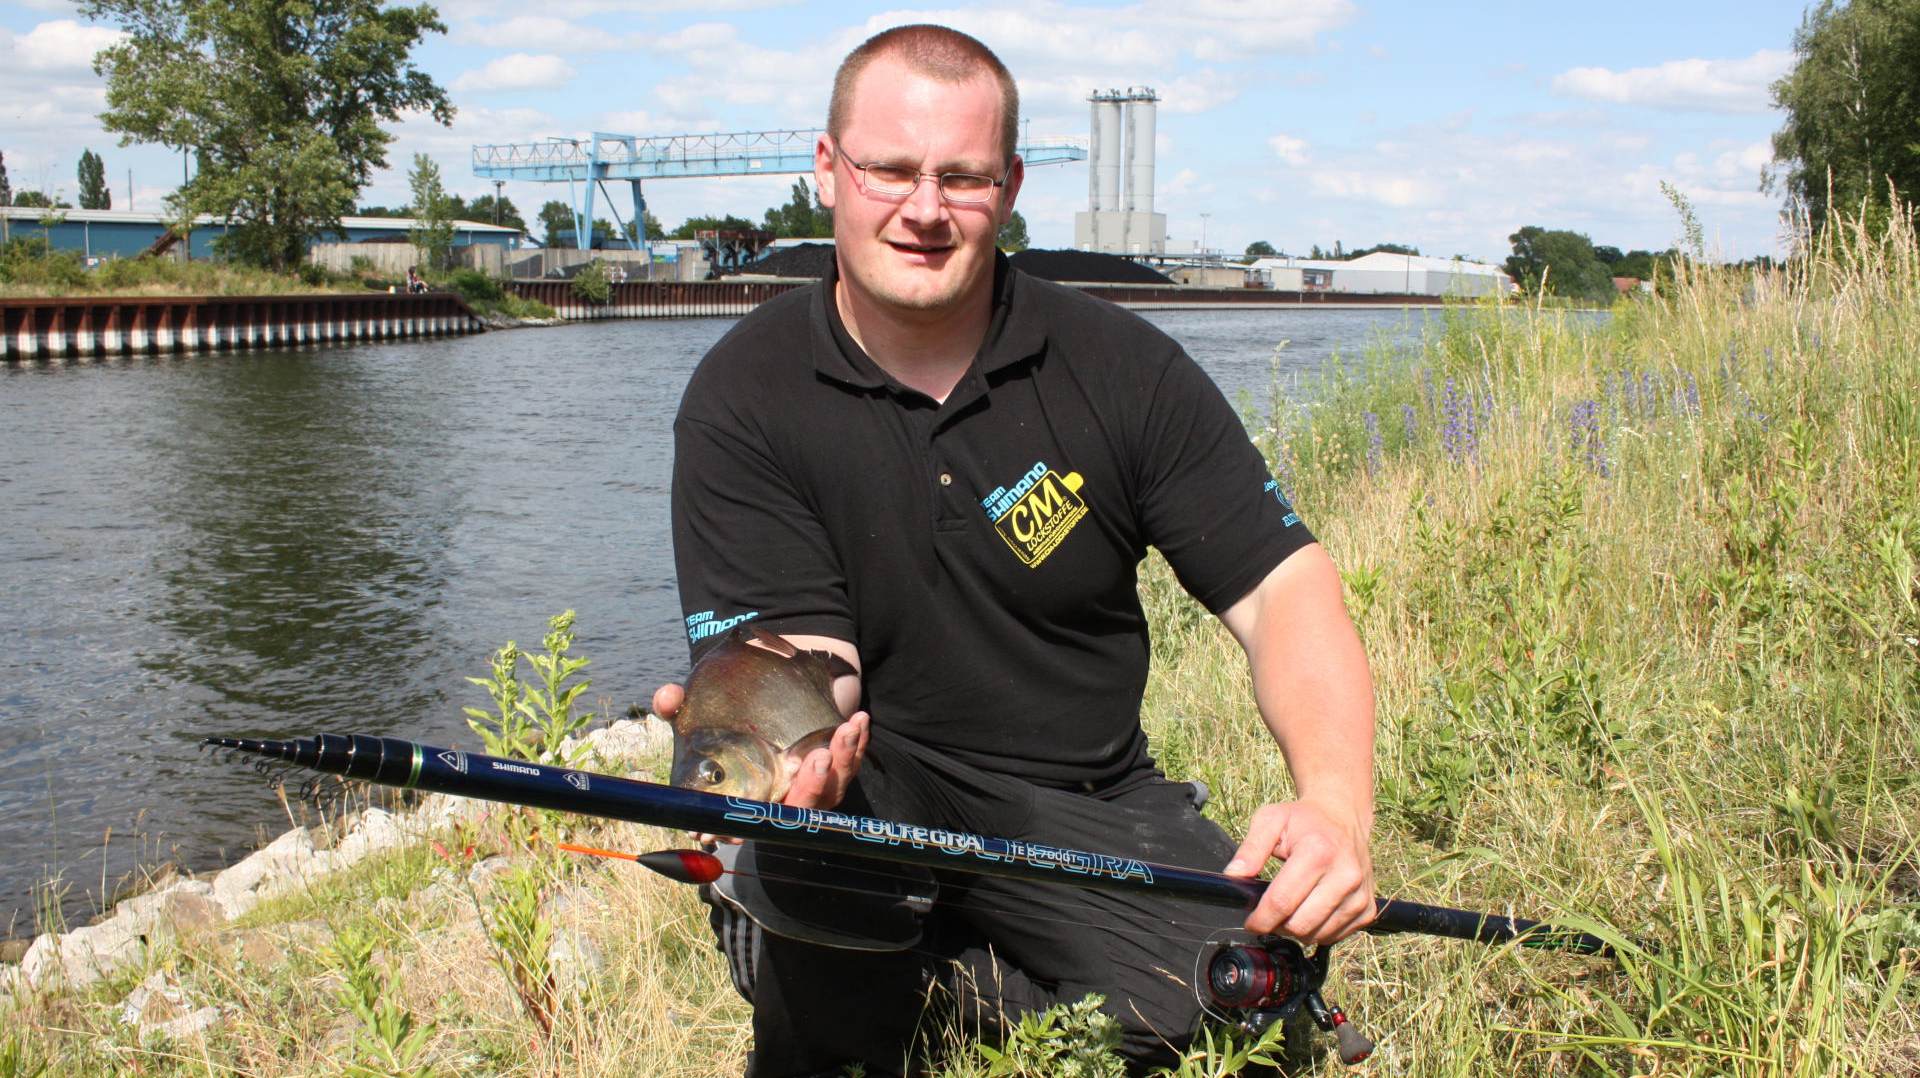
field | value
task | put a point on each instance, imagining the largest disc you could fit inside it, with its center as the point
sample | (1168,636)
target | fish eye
(712,773)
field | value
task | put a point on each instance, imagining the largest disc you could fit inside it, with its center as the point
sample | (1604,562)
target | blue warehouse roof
(126,233)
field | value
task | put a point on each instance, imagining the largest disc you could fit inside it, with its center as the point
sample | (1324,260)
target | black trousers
(993,948)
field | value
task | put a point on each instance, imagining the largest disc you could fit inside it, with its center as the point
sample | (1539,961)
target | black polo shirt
(980,553)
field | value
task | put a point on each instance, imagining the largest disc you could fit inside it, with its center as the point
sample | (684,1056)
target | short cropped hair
(937,52)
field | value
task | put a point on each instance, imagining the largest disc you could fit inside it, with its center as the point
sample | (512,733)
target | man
(946,472)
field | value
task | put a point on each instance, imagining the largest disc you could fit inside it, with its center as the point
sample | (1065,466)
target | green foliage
(6,185)
(523,937)
(475,286)
(1013,235)
(728,223)
(1850,103)
(432,231)
(281,103)
(593,285)
(30,260)
(389,1043)
(1560,262)
(488,212)
(803,217)
(532,720)
(555,218)
(1260,249)
(1077,1040)
(41,200)
(93,183)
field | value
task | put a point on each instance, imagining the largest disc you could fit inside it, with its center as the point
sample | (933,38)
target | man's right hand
(820,780)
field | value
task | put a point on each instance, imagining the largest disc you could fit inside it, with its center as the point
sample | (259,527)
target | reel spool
(1250,982)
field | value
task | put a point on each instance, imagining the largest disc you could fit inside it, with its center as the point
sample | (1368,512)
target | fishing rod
(1250,981)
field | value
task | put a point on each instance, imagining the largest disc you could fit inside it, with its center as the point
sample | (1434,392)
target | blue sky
(1294,121)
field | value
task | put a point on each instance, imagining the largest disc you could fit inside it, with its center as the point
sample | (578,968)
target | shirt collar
(1014,332)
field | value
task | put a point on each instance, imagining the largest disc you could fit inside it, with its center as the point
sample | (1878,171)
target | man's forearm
(1311,682)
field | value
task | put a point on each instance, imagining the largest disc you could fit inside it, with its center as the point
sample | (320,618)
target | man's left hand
(1324,891)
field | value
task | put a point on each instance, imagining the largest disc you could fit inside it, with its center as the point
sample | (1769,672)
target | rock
(13,950)
(160,1008)
(376,830)
(628,741)
(265,948)
(483,874)
(276,867)
(83,955)
(575,959)
(191,911)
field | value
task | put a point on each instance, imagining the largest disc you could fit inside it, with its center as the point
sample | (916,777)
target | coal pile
(800,260)
(1086,266)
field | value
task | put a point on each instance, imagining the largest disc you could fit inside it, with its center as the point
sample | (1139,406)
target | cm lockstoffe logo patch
(1036,513)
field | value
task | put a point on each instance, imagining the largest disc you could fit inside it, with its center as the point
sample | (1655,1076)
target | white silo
(1107,137)
(1140,123)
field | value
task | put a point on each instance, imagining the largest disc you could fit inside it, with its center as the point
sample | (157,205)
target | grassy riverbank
(1642,606)
(30,269)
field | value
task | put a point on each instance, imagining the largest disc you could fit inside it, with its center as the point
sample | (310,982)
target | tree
(487,211)
(1013,234)
(40,200)
(432,231)
(555,217)
(281,103)
(1561,261)
(729,223)
(1384,248)
(6,188)
(1260,249)
(93,183)
(1850,101)
(803,217)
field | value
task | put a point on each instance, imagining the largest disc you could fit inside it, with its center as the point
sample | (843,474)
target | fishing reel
(1251,982)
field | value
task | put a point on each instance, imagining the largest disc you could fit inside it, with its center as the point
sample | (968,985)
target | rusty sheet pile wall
(658,299)
(96,327)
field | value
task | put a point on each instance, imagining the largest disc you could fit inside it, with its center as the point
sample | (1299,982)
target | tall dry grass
(1641,602)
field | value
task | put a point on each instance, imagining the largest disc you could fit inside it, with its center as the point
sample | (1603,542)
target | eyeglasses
(896,181)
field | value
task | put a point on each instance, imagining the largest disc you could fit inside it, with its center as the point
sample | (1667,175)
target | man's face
(920,252)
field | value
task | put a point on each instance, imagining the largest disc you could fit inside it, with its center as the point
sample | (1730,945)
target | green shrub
(314,274)
(593,285)
(475,286)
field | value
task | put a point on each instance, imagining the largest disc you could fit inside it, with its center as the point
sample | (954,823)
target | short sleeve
(1207,500)
(746,545)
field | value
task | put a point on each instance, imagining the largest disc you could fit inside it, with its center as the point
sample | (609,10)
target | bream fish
(750,707)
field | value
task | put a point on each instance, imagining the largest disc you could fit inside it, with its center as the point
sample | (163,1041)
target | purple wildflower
(1693,395)
(1407,421)
(1375,458)
(1584,426)
(1457,436)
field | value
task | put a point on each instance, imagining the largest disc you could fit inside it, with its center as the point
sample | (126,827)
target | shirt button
(946,479)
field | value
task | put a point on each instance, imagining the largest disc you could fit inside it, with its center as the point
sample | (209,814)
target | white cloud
(462,10)
(1290,149)
(517,71)
(538,32)
(1701,85)
(1365,186)
(62,45)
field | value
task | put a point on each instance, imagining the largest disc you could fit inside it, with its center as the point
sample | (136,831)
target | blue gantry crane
(585,165)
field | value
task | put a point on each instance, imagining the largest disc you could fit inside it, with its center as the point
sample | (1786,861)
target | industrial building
(1119,218)
(1384,273)
(127,234)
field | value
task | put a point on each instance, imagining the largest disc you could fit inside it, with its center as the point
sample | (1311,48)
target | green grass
(1647,655)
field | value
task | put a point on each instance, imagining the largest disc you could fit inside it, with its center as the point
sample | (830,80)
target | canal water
(282,543)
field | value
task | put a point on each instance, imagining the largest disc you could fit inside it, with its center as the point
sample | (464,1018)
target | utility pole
(1203,234)
(498,186)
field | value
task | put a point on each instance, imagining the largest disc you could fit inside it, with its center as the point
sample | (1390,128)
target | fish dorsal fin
(836,666)
(778,645)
